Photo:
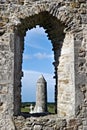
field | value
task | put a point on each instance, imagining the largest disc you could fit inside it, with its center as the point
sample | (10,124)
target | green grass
(25,107)
(51,107)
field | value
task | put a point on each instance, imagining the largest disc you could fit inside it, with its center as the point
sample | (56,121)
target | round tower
(41,95)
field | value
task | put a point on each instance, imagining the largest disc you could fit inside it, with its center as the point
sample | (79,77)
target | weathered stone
(82,1)
(48,128)
(65,23)
(37,127)
(84,127)
(41,96)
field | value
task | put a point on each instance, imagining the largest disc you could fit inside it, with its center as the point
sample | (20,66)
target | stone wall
(66,83)
(61,20)
(51,122)
(80,71)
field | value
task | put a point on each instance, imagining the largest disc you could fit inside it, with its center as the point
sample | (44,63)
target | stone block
(84,127)
(37,127)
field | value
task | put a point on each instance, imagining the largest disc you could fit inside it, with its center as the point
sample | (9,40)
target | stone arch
(50,19)
(49,23)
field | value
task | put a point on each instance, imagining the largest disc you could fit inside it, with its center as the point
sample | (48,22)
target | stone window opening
(42,53)
(63,48)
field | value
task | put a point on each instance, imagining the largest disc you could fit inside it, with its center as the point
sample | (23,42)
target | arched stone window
(63,64)
(37,60)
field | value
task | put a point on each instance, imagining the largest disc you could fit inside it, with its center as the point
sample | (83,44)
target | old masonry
(41,95)
(65,22)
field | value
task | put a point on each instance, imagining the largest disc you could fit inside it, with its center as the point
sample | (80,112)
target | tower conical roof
(41,79)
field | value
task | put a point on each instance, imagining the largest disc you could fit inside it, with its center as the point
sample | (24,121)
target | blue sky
(37,60)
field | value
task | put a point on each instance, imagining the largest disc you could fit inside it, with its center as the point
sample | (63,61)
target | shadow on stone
(35,114)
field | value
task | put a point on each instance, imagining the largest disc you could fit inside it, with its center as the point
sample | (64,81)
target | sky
(37,59)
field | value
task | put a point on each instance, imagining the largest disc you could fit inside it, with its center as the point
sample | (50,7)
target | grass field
(25,107)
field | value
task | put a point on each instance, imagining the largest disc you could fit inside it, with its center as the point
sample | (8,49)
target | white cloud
(29,85)
(27,57)
(36,46)
(37,56)
(43,55)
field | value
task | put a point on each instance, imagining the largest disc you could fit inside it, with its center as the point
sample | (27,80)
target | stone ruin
(65,22)
(41,96)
